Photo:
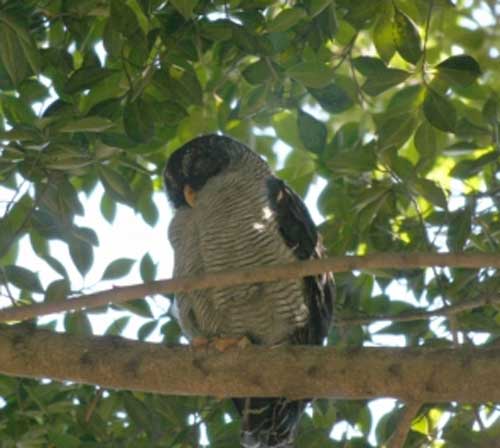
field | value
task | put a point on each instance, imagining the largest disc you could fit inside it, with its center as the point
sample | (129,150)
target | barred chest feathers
(233,226)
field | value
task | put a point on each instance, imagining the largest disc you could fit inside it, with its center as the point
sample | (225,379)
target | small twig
(258,274)
(7,288)
(447,311)
(91,408)
(397,440)
(426,37)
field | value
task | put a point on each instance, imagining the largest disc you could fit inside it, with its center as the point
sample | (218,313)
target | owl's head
(192,165)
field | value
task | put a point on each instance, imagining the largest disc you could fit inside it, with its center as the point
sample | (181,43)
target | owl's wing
(299,232)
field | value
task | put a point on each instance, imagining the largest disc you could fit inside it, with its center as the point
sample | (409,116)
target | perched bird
(231,212)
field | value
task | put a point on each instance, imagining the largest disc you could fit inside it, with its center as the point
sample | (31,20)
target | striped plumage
(244,216)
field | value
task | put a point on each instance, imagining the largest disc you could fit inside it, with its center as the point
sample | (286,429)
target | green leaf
(491,110)
(383,39)
(57,291)
(85,78)
(123,18)
(316,7)
(23,278)
(77,323)
(312,132)
(406,37)
(61,440)
(108,208)
(56,265)
(396,131)
(459,229)
(257,73)
(430,191)
(138,306)
(169,112)
(286,19)
(439,111)
(19,135)
(403,168)
(426,140)
(87,124)
(361,13)
(118,268)
(146,330)
(470,167)
(82,255)
(137,412)
(311,74)
(115,183)
(185,7)
(217,30)
(12,55)
(138,120)
(379,83)
(147,269)
(461,70)
(369,66)
(332,98)
(17,111)
(116,328)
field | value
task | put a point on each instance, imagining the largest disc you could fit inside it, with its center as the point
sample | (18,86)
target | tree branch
(411,374)
(409,316)
(255,275)
(397,440)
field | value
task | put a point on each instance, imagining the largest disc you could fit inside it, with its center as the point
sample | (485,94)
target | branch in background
(408,316)
(469,375)
(397,440)
(254,275)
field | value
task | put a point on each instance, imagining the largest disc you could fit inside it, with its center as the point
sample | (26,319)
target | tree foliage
(395,104)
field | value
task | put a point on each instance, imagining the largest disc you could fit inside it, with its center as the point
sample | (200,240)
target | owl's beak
(189,195)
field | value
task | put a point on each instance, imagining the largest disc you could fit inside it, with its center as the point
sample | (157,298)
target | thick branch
(254,275)
(398,438)
(411,374)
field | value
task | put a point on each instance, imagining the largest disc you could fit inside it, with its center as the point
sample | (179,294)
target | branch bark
(254,275)
(411,374)
(398,438)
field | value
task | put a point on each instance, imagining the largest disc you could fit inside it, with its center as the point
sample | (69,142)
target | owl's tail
(269,422)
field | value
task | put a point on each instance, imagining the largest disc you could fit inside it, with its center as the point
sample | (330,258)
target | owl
(232,212)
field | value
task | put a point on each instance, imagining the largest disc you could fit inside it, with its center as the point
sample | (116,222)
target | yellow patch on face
(189,195)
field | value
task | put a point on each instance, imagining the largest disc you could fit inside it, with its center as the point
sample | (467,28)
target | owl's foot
(223,344)
(198,344)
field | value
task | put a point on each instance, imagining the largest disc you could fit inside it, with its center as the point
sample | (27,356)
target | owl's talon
(222,344)
(199,344)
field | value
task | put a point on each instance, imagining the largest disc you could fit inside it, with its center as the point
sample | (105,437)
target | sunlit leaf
(286,19)
(383,38)
(406,37)
(311,74)
(87,124)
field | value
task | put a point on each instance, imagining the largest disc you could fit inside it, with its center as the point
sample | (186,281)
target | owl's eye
(189,195)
